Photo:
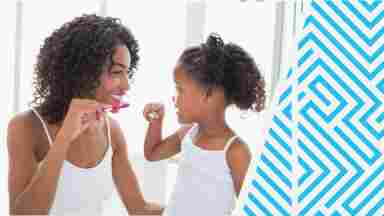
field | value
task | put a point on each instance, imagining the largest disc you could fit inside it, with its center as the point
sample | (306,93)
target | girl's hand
(154,111)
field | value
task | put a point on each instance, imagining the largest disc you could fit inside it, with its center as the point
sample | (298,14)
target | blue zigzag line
(285,128)
(356,12)
(369,197)
(269,164)
(275,170)
(359,170)
(305,57)
(274,185)
(364,120)
(354,27)
(270,198)
(271,182)
(265,194)
(370,7)
(311,37)
(325,134)
(278,156)
(318,213)
(308,171)
(369,93)
(335,213)
(350,142)
(344,51)
(248,211)
(370,75)
(259,204)
(290,71)
(332,183)
(376,208)
(287,111)
(287,92)
(324,173)
(380,86)
(380,118)
(342,102)
(362,154)
(279,140)
(337,27)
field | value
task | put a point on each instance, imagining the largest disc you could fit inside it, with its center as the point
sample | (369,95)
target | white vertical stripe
(195,22)
(17,66)
(278,44)
(103,8)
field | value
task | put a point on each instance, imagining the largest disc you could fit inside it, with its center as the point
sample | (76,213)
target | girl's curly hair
(72,59)
(215,64)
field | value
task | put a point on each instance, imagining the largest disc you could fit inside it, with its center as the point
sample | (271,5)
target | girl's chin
(182,120)
(179,119)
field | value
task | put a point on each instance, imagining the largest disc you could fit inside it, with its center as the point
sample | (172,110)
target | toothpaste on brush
(120,102)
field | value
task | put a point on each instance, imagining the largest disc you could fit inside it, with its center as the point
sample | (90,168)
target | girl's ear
(206,95)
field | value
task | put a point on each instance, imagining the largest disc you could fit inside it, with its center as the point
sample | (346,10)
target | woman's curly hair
(215,64)
(72,59)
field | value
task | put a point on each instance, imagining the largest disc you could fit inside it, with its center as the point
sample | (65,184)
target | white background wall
(163,30)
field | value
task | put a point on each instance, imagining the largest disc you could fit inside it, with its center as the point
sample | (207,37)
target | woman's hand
(81,114)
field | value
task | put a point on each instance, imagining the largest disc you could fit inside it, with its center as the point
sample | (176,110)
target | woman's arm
(31,186)
(238,158)
(125,178)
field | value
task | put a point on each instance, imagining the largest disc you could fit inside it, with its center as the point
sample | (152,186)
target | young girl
(214,160)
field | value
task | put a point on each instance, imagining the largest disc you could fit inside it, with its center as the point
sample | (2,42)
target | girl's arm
(238,159)
(156,148)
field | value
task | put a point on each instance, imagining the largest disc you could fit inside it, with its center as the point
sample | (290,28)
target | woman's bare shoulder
(23,128)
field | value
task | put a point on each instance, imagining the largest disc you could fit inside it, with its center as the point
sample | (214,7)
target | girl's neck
(214,125)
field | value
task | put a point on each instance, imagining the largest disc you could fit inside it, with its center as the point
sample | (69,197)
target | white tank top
(82,191)
(204,184)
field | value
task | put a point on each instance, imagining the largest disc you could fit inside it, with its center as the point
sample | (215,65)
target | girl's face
(115,81)
(188,98)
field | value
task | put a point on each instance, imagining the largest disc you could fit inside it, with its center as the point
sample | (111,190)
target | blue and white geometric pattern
(324,151)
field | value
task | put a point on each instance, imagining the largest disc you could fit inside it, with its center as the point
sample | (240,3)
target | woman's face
(115,80)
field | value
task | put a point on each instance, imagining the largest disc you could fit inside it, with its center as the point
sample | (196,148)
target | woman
(66,154)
